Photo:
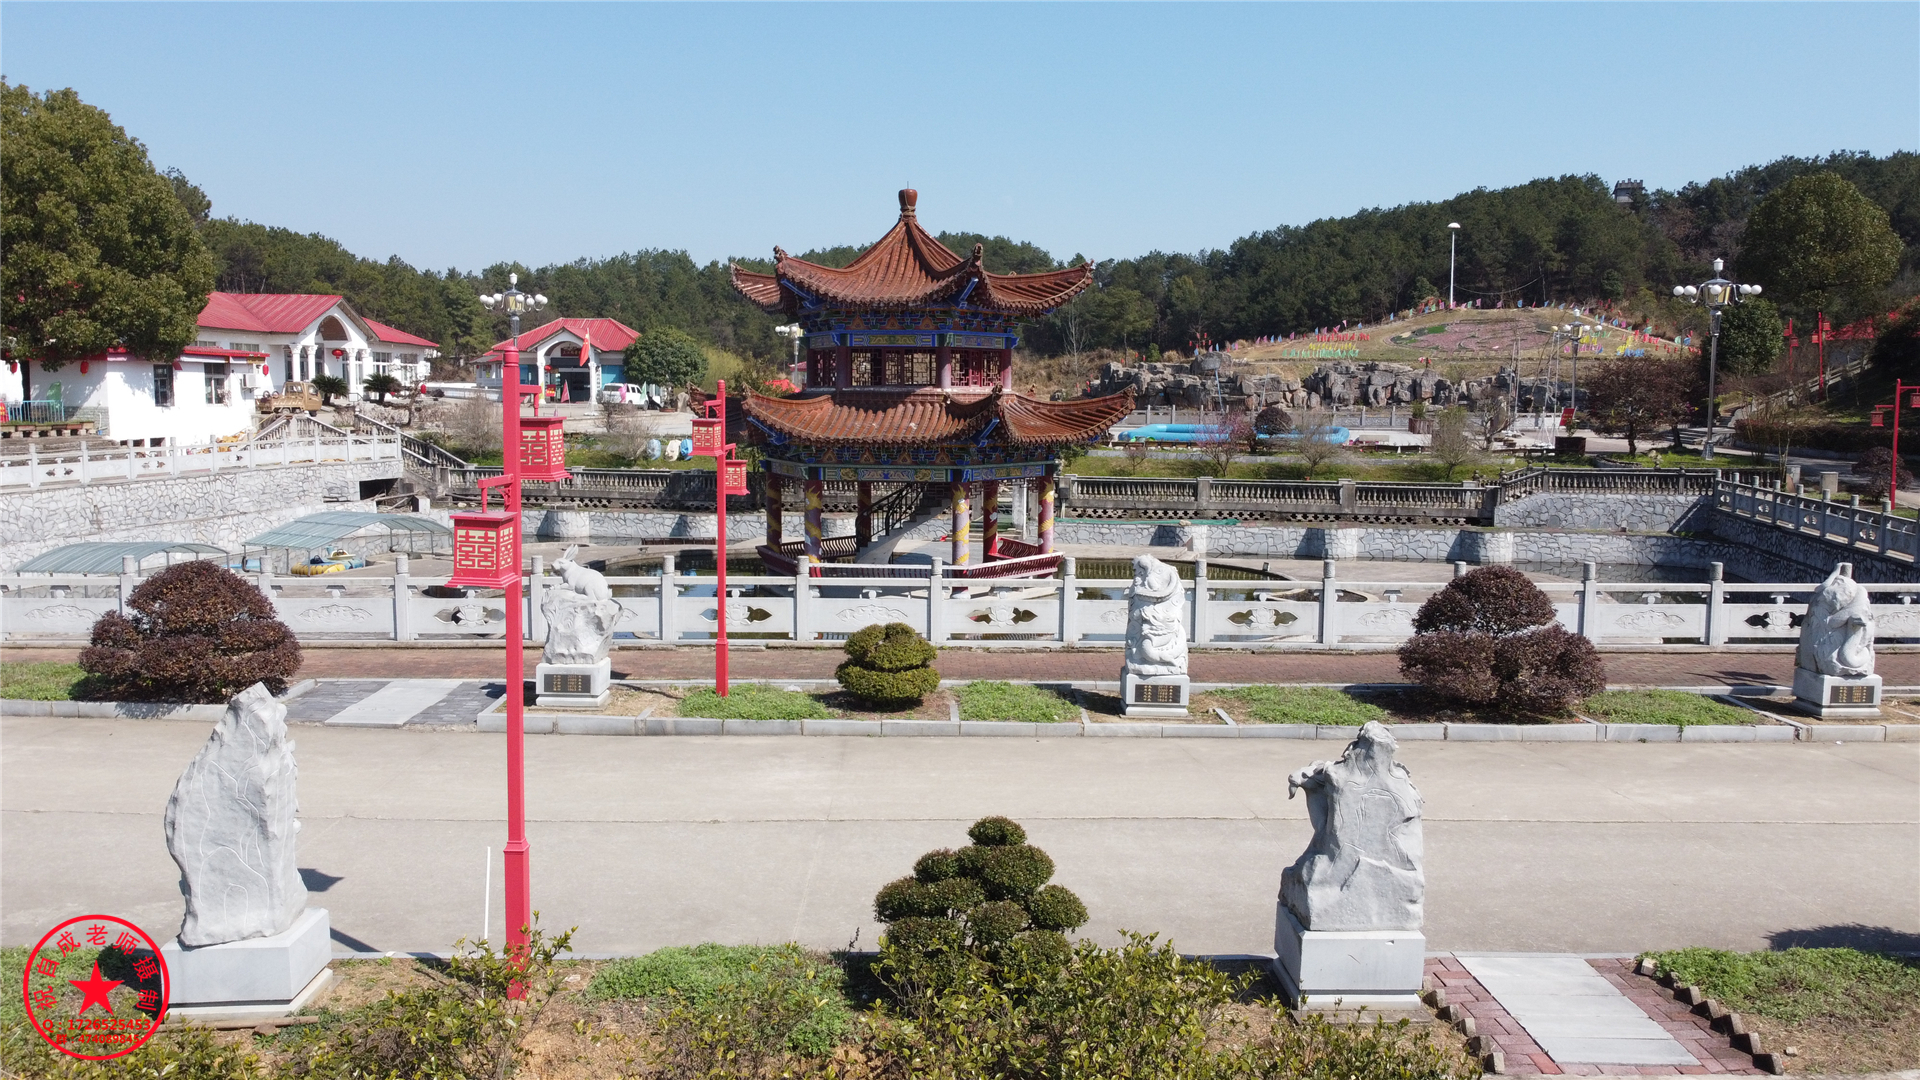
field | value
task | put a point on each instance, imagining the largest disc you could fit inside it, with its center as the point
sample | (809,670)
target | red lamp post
(729,478)
(518,857)
(1880,420)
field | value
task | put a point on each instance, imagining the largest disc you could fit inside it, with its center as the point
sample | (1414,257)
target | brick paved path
(1653,669)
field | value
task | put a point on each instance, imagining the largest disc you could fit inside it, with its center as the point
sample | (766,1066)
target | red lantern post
(729,478)
(1880,420)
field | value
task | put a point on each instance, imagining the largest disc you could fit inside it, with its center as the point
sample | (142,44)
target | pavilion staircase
(896,516)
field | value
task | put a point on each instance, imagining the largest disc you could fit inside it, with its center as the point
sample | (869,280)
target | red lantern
(85,366)
(709,436)
(733,472)
(337,353)
(543,448)
(1879,418)
(483,550)
(1914,401)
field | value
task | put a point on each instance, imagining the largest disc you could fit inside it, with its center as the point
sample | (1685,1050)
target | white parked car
(628,394)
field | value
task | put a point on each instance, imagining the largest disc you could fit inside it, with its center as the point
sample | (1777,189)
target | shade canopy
(317,531)
(103,557)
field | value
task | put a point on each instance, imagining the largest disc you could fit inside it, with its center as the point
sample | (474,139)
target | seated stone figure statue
(1156,632)
(1837,637)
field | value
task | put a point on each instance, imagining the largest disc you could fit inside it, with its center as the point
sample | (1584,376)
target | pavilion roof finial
(909,199)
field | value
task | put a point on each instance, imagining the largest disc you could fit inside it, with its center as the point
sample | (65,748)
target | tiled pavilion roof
(927,415)
(909,268)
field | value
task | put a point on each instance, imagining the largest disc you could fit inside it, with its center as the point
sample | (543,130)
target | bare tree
(1314,441)
(1133,456)
(1490,424)
(629,428)
(1231,434)
(1451,445)
(474,425)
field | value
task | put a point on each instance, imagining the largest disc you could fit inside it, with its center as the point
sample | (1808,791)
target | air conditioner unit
(250,379)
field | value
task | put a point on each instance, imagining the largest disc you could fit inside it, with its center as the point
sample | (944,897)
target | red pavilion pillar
(943,366)
(816,499)
(1046,512)
(842,367)
(1006,368)
(863,514)
(962,521)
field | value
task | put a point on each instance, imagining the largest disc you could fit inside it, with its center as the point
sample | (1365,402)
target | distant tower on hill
(1625,191)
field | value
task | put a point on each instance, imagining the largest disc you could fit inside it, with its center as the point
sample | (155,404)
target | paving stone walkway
(1566,1015)
(393,702)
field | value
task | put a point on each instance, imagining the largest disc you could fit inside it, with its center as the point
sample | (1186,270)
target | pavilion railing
(952,605)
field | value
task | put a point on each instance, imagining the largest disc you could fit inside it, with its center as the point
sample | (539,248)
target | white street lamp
(1716,292)
(1453,241)
(792,332)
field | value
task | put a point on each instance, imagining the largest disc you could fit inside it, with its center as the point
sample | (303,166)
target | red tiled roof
(396,336)
(607,335)
(902,417)
(266,313)
(907,268)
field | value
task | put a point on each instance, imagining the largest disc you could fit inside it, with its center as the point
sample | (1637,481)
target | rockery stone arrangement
(230,825)
(1347,927)
(1833,667)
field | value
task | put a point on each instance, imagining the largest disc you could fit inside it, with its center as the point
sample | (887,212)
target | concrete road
(644,842)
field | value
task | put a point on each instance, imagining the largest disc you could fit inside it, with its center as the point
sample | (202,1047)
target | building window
(244,346)
(163,384)
(289,359)
(216,384)
(203,343)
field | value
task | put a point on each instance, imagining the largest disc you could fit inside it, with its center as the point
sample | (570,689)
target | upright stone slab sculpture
(574,670)
(1154,681)
(249,945)
(1833,667)
(1347,923)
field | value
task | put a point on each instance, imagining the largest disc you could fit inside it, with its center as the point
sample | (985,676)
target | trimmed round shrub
(973,860)
(924,935)
(195,633)
(1015,873)
(1490,600)
(956,895)
(1056,908)
(997,831)
(888,664)
(885,687)
(995,922)
(890,647)
(1547,669)
(936,866)
(1044,949)
(906,899)
(1452,665)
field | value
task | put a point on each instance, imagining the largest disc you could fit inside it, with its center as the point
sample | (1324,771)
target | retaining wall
(215,508)
(1632,513)
(1803,555)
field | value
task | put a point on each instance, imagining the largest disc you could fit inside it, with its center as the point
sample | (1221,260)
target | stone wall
(222,508)
(1632,513)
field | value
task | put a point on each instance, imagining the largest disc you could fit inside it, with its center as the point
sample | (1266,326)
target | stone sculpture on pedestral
(574,669)
(1347,923)
(1154,681)
(249,945)
(1833,667)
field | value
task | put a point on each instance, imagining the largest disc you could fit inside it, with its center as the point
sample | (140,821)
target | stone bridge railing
(1848,524)
(88,463)
(671,607)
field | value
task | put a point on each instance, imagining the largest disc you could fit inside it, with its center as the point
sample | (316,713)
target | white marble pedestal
(1153,695)
(1345,970)
(1831,697)
(258,977)
(573,686)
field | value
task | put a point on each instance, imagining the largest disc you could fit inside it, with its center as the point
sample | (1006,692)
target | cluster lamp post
(1716,293)
(518,858)
(1570,332)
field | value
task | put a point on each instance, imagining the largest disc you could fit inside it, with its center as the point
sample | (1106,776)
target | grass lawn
(805,990)
(1292,705)
(1665,707)
(39,682)
(986,699)
(1844,1010)
(752,701)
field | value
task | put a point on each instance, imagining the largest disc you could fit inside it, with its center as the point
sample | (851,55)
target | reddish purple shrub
(194,633)
(1490,600)
(1488,638)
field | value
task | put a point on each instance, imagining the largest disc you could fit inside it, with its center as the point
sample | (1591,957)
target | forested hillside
(1551,239)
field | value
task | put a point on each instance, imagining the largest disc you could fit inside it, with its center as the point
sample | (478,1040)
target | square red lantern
(733,473)
(543,448)
(483,551)
(1879,418)
(709,436)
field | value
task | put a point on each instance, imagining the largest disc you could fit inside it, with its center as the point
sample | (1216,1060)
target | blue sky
(458,134)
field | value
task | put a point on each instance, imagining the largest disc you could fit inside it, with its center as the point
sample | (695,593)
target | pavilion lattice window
(863,367)
(911,369)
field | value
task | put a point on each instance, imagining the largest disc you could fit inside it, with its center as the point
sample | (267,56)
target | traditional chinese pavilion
(909,377)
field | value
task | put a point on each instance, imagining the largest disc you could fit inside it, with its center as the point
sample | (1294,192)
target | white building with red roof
(249,345)
(581,355)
